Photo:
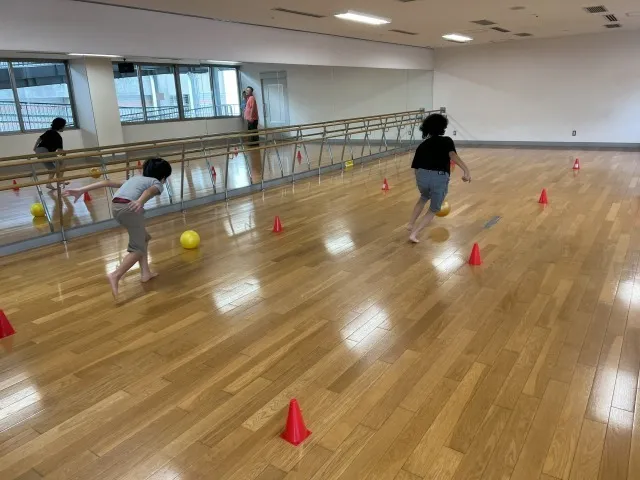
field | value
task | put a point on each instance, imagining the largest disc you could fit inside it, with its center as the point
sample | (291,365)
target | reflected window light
(235,295)
(237,224)
(447,264)
(339,244)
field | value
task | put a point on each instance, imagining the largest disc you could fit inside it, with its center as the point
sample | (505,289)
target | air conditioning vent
(611,18)
(407,1)
(484,22)
(613,25)
(295,12)
(518,8)
(598,9)
(524,34)
(500,29)
(404,32)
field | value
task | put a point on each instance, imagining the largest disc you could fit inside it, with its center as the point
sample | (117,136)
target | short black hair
(58,123)
(434,125)
(250,88)
(157,168)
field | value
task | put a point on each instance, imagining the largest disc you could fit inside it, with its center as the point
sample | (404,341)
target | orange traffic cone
(6,329)
(87,197)
(295,432)
(385,185)
(475,259)
(576,165)
(299,157)
(277,226)
(15,189)
(543,197)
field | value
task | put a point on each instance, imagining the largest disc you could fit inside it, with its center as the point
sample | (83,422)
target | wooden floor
(407,362)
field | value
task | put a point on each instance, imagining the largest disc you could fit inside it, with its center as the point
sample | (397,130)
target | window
(128,95)
(227,91)
(196,92)
(32,94)
(160,95)
(176,92)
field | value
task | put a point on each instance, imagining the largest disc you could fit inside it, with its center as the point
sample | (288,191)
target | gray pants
(134,223)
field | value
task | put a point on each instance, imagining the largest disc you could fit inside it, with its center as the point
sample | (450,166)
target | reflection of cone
(299,157)
(475,259)
(213,172)
(277,226)
(87,197)
(543,197)
(6,329)
(576,165)
(385,185)
(295,432)
(15,189)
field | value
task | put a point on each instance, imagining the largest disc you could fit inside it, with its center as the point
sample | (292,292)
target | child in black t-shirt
(50,142)
(432,164)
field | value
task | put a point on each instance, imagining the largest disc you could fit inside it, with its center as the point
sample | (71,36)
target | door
(275,102)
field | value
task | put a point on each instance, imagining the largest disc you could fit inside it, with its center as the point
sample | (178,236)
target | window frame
(18,103)
(176,79)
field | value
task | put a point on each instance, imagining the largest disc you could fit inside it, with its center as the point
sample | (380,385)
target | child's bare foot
(148,276)
(113,281)
(410,227)
(413,238)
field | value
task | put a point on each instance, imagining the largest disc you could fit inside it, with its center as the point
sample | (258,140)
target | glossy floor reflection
(407,362)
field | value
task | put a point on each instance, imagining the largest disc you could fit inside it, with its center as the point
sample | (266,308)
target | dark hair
(58,123)
(434,125)
(157,168)
(249,88)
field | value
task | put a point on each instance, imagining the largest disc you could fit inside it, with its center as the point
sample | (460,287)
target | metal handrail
(209,147)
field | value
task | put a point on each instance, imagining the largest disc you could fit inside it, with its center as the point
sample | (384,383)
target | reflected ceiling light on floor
(456,37)
(363,18)
(100,55)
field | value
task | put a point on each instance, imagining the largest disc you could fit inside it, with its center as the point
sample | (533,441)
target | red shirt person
(251,115)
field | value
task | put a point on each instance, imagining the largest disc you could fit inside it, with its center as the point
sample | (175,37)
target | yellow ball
(37,210)
(190,240)
(444,210)
(95,172)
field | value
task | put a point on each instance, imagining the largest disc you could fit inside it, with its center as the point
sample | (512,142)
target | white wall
(329,93)
(23,143)
(541,90)
(65,26)
(168,130)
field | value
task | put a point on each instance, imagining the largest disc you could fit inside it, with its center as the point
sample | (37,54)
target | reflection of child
(49,142)
(432,163)
(128,210)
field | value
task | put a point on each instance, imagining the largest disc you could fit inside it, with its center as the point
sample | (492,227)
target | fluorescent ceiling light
(363,18)
(222,62)
(456,37)
(93,55)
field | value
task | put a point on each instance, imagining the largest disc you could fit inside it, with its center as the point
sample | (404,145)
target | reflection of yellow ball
(444,210)
(95,172)
(37,210)
(189,240)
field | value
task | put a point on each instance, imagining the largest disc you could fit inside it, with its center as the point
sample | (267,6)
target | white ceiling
(430,19)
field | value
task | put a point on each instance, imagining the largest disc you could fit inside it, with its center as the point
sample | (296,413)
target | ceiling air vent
(407,1)
(612,25)
(611,18)
(295,12)
(500,29)
(404,32)
(484,22)
(524,34)
(598,9)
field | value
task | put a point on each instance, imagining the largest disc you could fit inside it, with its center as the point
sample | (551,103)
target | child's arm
(466,177)
(148,194)
(76,193)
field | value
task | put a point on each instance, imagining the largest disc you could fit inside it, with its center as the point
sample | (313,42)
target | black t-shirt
(51,140)
(433,154)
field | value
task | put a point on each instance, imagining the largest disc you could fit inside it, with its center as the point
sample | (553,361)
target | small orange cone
(543,197)
(295,432)
(576,165)
(299,157)
(385,185)
(6,329)
(475,259)
(87,197)
(15,189)
(277,226)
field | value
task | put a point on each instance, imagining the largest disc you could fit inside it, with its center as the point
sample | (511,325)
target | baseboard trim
(550,145)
